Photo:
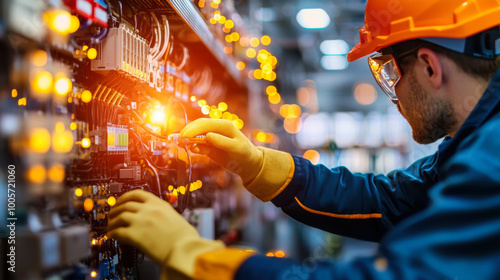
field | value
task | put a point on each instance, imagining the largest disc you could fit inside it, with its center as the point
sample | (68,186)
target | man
(437,219)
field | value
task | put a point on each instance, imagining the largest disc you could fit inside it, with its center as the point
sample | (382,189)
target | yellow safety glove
(264,172)
(150,224)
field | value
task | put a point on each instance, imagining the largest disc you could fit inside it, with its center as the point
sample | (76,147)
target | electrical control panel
(92,93)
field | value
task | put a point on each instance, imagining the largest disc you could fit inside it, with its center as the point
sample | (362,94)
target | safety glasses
(386,72)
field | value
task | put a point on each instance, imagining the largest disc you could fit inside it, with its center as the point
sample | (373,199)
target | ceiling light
(313,18)
(334,62)
(334,47)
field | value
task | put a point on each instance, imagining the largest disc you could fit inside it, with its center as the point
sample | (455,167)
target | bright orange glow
(254,42)
(14,93)
(73,126)
(240,65)
(92,53)
(271,90)
(292,125)
(36,174)
(274,60)
(201,4)
(250,53)
(56,173)
(39,140)
(279,254)
(261,57)
(94,241)
(222,106)
(294,110)
(111,201)
(228,50)
(62,142)
(267,68)
(88,204)
(229,24)
(270,254)
(39,58)
(235,36)
(78,192)
(74,24)
(182,189)
(215,114)
(238,123)
(261,137)
(202,103)
(42,82)
(284,110)
(192,98)
(365,94)
(158,117)
(59,21)
(86,143)
(86,96)
(21,101)
(205,110)
(265,40)
(274,99)
(257,74)
(244,41)
(93,274)
(62,86)
(272,76)
(312,156)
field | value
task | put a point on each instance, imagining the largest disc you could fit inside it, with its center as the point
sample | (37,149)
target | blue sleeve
(455,237)
(363,206)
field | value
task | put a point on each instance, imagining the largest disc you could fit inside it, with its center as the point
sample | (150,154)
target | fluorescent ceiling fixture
(334,47)
(265,14)
(313,18)
(334,62)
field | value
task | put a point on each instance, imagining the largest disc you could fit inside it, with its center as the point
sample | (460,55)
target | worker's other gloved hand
(150,224)
(265,172)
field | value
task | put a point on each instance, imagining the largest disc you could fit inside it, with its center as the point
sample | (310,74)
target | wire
(156,176)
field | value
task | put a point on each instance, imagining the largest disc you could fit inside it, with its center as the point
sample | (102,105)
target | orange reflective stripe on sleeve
(341,216)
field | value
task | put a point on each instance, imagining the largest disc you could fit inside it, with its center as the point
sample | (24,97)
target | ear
(430,66)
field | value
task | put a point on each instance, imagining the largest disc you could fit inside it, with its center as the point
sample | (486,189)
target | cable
(156,176)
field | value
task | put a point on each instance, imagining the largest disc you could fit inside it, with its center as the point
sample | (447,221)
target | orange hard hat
(388,22)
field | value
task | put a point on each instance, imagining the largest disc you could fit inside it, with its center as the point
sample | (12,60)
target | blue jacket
(437,219)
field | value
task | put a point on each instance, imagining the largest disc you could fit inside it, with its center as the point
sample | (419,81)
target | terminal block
(123,51)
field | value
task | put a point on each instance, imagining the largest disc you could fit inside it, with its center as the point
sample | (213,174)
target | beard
(430,118)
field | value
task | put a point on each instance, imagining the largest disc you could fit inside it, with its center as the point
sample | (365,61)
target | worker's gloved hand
(229,147)
(265,172)
(150,224)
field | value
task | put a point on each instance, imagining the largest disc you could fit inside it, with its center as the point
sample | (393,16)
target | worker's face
(429,115)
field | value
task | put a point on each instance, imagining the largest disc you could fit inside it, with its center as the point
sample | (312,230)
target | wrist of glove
(150,224)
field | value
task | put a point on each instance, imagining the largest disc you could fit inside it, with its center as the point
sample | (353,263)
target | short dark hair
(477,67)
